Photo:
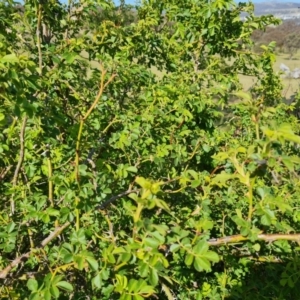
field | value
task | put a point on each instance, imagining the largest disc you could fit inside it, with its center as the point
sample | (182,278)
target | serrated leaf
(167,291)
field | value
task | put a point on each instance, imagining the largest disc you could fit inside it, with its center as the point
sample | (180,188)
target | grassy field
(291,86)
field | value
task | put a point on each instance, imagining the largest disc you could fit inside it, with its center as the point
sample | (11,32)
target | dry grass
(291,86)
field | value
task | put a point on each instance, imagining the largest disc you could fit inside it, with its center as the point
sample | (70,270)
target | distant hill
(281,9)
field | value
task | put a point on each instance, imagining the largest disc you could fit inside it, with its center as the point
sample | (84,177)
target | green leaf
(141,181)
(82,170)
(212,256)
(54,291)
(201,247)
(64,285)
(268,218)
(288,163)
(92,262)
(167,291)
(151,242)
(132,169)
(174,247)
(158,236)
(189,259)
(202,264)
(97,281)
(10,227)
(32,284)
(221,179)
(153,277)
(256,247)
(283,281)
(147,289)
(10,58)
(133,286)
(162,204)
(79,260)
(143,269)
(47,294)
(195,183)
(69,57)
(2,116)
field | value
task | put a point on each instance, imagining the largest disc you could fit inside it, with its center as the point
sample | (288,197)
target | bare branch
(47,240)
(20,162)
(114,198)
(261,237)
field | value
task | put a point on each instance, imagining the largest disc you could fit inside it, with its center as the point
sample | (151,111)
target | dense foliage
(132,164)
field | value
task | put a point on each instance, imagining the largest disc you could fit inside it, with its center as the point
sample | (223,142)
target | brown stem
(20,162)
(102,87)
(38,35)
(116,197)
(46,241)
(261,237)
(4,172)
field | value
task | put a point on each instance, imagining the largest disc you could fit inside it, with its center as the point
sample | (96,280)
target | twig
(102,87)
(47,240)
(129,191)
(114,198)
(4,172)
(21,159)
(38,35)
(261,237)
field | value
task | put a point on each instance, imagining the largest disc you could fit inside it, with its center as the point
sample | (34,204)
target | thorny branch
(116,197)
(261,237)
(46,241)
(20,162)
